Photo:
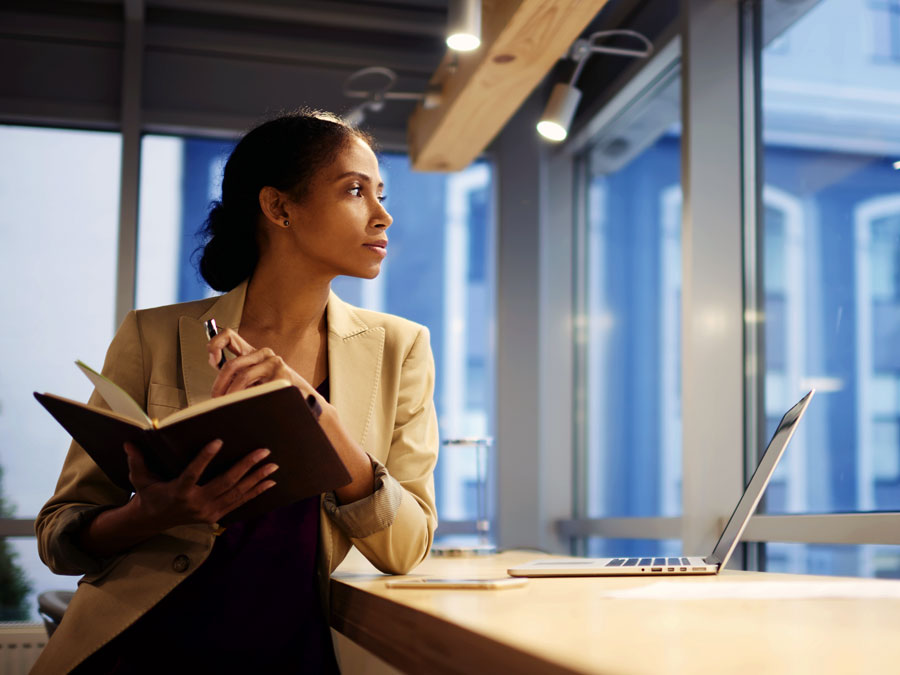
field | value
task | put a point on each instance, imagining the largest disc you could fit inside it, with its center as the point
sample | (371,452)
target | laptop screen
(757,485)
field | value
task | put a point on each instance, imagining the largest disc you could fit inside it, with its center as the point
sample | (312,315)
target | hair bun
(230,254)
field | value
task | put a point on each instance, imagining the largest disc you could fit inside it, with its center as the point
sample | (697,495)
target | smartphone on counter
(422,582)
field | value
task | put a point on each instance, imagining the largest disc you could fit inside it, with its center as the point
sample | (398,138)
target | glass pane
(831,261)
(632,378)
(439,272)
(180,176)
(881,562)
(58,239)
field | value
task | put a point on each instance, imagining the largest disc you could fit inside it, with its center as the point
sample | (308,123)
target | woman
(165,590)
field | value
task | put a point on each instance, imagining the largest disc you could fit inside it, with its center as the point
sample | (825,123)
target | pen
(211,331)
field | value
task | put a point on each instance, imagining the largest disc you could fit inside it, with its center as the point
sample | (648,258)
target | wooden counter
(570,625)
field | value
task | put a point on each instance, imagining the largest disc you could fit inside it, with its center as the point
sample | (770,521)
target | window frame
(732,58)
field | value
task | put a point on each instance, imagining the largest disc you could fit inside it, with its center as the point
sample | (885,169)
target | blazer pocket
(163,400)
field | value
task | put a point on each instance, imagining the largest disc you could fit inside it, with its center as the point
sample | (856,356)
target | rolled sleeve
(371,514)
(64,547)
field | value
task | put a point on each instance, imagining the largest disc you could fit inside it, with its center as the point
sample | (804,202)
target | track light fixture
(557,117)
(564,99)
(464,25)
(375,96)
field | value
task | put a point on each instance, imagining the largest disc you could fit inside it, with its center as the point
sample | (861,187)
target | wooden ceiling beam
(480,90)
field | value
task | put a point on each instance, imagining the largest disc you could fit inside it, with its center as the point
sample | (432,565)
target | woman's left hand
(250,367)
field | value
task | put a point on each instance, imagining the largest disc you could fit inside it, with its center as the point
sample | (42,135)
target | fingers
(265,371)
(192,472)
(233,476)
(236,494)
(236,486)
(243,498)
(250,366)
(183,501)
(244,371)
(138,473)
(249,483)
(230,339)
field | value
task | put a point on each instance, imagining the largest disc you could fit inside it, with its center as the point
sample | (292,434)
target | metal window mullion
(580,337)
(713,285)
(579,529)
(457,527)
(132,75)
(833,528)
(753,235)
(556,369)
(854,529)
(16,527)
(519,157)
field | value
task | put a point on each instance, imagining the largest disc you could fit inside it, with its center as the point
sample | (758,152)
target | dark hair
(284,153)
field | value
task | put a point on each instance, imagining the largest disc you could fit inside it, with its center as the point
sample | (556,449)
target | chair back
(51,606)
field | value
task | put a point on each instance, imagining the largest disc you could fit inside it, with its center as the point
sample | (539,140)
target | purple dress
(252,607)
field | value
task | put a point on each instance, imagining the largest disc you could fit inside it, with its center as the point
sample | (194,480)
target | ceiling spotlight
(464,25)
(375,85)
(564,99)
(357,115)
(554,124)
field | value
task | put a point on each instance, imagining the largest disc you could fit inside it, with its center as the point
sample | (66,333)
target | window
(818,306)
(878,293)
(180,176)
(58,248)
(632,304)
(881,562)
(885,25)
(831,271)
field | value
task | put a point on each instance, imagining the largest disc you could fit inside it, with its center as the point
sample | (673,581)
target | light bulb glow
(464,25)
(552,131)
(463,42)
(558,113)
(897,165)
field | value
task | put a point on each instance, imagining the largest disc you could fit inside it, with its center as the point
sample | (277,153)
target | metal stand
(483,546)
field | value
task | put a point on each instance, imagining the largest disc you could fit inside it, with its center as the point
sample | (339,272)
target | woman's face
(340,226)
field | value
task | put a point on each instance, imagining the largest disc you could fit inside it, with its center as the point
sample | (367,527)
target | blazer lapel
(197,374)
(354,367)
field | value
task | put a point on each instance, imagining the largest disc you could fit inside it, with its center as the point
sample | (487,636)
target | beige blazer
(381,377)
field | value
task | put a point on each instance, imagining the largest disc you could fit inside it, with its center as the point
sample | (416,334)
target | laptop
(713,563)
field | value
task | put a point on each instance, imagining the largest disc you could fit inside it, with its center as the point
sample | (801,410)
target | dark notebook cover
(279,420)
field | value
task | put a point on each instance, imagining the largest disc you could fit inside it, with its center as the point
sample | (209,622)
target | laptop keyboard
(632,562)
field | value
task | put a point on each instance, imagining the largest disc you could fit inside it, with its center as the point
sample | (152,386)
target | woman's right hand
(158,505)
(182,501)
